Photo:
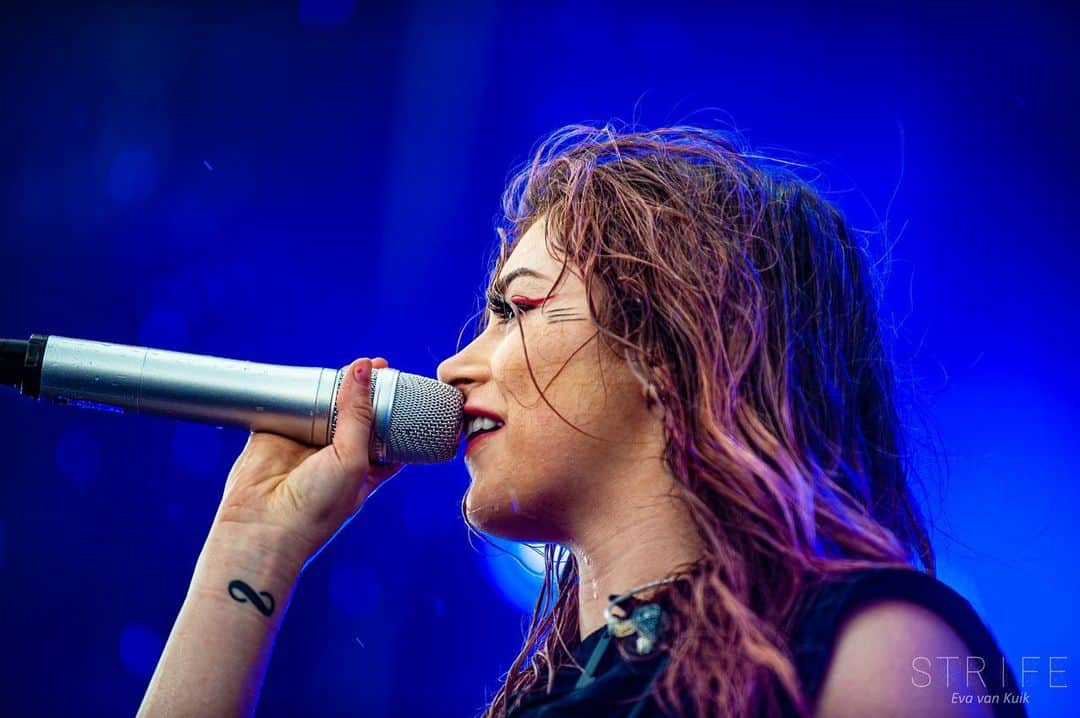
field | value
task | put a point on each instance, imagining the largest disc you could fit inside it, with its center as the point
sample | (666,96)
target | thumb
(352,432)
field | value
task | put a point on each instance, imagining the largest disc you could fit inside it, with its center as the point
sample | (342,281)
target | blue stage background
(308,183)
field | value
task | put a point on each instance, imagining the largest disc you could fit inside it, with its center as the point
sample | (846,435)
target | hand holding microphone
(302,495)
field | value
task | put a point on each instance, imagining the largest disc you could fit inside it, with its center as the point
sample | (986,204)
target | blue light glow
(197,448)
(516,569)
(164,328)
(132,174)
(326,12)
(354,589)
(78,456)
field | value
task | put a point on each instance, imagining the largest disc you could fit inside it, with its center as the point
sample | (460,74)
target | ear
(652,400)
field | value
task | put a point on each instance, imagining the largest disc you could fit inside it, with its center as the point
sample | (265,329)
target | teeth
(480,423)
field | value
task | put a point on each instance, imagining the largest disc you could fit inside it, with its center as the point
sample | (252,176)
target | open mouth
(479,426)
(477,438)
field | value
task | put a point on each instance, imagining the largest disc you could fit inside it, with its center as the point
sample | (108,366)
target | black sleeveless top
(614,686)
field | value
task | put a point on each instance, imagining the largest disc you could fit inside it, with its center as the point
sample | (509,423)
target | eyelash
(504,310)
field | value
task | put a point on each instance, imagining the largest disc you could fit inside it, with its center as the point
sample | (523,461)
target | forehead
(534,252)
(531,250)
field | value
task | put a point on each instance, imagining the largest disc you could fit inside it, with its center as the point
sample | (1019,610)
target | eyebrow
(500,285)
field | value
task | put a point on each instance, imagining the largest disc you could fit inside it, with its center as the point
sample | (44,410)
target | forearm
(217,653)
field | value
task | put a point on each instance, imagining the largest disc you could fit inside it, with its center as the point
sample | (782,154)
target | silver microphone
(417,420)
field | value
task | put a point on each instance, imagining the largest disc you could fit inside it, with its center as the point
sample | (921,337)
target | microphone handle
(297,402)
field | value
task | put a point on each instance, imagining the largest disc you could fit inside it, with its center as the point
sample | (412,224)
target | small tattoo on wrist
(247,593)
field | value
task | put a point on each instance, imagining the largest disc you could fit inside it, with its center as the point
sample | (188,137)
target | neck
(641,539)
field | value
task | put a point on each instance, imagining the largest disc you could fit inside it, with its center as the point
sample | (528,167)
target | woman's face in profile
(536,478)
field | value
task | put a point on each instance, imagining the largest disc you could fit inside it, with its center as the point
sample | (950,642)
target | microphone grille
(425,420)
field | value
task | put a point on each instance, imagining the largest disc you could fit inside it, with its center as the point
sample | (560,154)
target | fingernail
(362,369)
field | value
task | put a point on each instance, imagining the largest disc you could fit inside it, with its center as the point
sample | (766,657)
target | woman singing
(680,386)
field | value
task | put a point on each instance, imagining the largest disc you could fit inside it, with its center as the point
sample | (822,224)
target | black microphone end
(20,363)
(12,361)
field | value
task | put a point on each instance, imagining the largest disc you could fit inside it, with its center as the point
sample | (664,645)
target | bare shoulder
(895,658)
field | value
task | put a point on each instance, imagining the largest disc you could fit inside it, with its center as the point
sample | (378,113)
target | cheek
(587,390)
(510,370)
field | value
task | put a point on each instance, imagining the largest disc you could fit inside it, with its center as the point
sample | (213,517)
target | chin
(510,515)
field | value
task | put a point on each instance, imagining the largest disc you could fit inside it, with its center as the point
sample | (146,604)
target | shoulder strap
(594,660)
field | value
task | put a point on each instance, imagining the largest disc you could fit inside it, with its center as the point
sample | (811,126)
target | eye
(504,310)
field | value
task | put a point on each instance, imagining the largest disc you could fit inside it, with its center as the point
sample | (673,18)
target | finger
(379,363)
(353,430)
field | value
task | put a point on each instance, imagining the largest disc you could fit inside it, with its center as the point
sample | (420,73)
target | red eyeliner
(531,302)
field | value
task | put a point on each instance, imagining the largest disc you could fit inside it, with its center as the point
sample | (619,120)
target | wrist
(240,563)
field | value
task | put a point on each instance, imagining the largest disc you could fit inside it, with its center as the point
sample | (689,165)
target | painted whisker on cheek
(562,314)
(552,314)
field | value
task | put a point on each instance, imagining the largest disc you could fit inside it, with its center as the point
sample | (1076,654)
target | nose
(468,366)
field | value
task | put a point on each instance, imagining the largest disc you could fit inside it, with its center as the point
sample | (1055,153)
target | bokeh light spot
(132,174)
(140,647)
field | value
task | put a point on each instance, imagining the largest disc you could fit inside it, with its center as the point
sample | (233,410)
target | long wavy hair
(746,304)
